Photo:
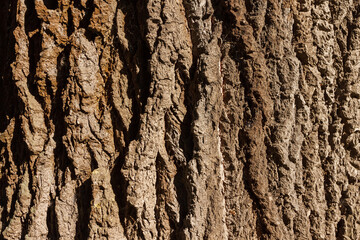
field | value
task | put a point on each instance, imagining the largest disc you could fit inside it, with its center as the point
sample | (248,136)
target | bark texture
(180,119)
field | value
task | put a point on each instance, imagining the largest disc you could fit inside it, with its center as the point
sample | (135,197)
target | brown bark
(184,119)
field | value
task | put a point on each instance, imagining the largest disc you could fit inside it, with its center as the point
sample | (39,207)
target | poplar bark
(179,119)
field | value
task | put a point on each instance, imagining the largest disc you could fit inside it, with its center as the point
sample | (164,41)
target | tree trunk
(190,119)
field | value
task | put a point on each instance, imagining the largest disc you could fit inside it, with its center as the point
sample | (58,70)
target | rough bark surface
(187,119)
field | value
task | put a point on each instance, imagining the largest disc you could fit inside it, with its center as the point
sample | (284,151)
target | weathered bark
(191,119)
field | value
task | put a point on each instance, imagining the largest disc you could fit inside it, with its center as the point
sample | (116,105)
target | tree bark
(192,119)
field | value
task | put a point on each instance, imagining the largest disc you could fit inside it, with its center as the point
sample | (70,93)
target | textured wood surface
(170,119)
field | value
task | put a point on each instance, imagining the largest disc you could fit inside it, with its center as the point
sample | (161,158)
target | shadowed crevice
(90,8)
(183,195)
(191,98)
(51,4)
(70,26)
(119,186)
(78,4)
(159,163)
(32,30)
(143,54)
(340,230)
(51,222)
(186,138)
(32,22)
(8,95)
(144,79)
(62,161)
(84,197)
(90,33)
(5,13)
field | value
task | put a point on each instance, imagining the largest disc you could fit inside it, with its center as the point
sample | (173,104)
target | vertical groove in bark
(179,119)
